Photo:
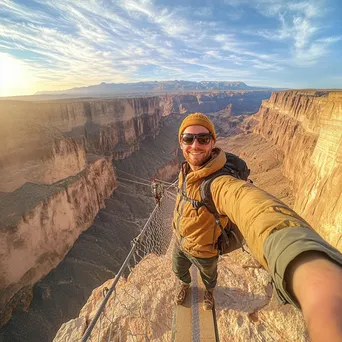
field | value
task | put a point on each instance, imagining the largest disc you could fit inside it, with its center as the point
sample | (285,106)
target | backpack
(231,238)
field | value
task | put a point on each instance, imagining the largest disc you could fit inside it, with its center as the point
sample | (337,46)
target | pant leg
(208,270)
(181,265)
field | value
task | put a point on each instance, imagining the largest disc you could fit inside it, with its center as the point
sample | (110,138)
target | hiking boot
(182,290)
(208,302)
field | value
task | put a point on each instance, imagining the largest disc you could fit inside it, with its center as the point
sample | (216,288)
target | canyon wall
(40,223)
(242,102)
(55,172)
(307,125)
(48,141)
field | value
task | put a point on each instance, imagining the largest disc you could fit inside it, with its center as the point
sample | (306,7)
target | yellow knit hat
(197,119)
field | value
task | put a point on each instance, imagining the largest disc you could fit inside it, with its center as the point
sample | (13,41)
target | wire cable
(132,181)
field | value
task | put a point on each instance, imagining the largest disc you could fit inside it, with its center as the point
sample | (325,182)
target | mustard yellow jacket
(254,211)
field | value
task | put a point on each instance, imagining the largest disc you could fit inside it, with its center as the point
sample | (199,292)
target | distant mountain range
(105,89)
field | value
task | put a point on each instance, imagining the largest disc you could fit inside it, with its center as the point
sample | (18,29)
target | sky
(58,44)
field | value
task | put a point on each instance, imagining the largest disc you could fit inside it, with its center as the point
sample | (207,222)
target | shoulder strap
(235,167)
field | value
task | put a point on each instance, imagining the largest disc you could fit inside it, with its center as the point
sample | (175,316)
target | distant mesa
(104,88)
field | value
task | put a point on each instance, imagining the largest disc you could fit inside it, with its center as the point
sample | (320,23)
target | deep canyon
(57,176)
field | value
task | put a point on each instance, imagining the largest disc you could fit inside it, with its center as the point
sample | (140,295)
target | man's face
(196,154)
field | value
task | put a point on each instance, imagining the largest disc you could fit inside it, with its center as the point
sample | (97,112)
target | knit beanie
(197,119)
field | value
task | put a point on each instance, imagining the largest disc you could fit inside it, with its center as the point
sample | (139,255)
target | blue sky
(55,45)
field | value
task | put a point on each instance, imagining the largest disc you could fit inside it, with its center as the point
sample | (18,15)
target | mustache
(197,150)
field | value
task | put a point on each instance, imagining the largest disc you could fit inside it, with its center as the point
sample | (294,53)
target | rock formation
(45,224)
(54,178)
(307,125)
(242,102)
(297,132)
(47,141)
(100,250)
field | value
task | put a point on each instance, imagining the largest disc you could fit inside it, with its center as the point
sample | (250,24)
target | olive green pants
(181,263)
(282,246)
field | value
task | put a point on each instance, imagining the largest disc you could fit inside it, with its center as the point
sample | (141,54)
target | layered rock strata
(299,133)
(307,125)
(40,223)
(47,141)
(98,253)
(242,102)
(54,179)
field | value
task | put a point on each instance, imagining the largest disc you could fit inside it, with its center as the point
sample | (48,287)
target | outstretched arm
(316,282)
(299,260)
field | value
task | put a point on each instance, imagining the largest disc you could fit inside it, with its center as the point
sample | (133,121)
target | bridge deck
(191,323)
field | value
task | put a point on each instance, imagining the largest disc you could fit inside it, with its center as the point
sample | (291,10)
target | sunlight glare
(15,77)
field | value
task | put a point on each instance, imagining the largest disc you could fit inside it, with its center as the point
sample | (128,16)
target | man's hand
(316,282)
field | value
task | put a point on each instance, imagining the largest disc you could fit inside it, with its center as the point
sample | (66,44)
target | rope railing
(126,313)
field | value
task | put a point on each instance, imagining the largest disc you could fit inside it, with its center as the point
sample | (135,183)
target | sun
(15,77)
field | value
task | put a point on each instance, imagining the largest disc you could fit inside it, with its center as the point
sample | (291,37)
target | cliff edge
(307,126)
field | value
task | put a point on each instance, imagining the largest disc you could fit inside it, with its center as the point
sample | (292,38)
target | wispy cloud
(302,23)
(75,43)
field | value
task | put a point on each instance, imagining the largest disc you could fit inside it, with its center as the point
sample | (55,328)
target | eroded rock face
(299,133)
(54,179)
(48,141)
(307,126)
(47,221)
(242,102)
(31,151)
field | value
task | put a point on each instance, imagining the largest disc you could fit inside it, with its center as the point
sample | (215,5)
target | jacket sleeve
(256,213)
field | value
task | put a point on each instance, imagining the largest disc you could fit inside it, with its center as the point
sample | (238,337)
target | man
(306,270)
(157,191)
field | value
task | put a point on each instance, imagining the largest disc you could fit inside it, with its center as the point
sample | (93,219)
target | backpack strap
(195,204)
(206,196)
(235,167)
(182,191)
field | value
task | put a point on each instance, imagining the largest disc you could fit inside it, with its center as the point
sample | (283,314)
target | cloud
(300,23)
(70,42)
(203,12)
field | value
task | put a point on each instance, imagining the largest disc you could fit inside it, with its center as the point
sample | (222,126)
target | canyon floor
(246,309)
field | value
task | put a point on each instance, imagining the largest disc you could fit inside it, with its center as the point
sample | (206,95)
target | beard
(196,160)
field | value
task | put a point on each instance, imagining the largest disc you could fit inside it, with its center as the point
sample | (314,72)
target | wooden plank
(183,327)
(207,326)
(184,322)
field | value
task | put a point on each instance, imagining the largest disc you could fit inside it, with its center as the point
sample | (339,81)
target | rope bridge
(138,304)
(135,306)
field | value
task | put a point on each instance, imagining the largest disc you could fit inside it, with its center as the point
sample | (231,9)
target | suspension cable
(130,174)
(173,184)
(159,180)
(146,180)
(117,277)
(132,181)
